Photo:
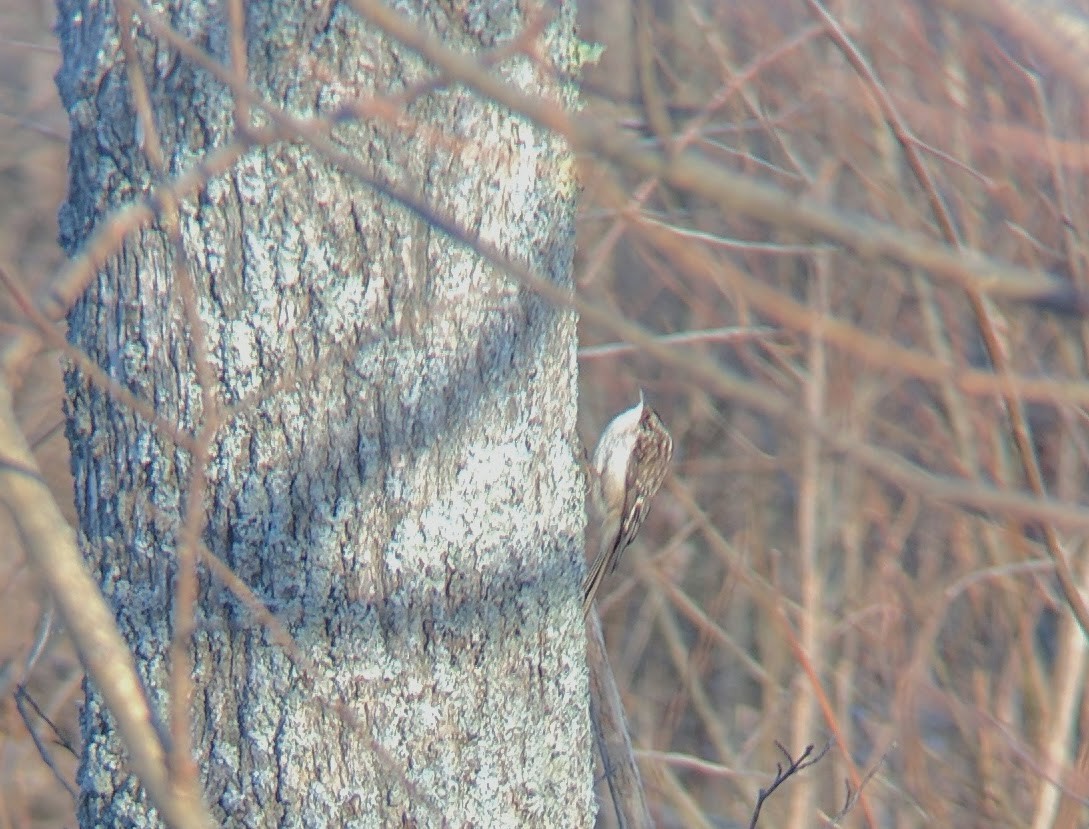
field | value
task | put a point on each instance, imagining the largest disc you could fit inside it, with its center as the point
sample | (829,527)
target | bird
(630,462)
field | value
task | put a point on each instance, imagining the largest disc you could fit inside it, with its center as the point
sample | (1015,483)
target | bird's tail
(604,562)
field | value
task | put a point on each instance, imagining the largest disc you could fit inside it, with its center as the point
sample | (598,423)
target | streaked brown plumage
(630,461)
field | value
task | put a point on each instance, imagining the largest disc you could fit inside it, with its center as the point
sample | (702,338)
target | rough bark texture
(410,505)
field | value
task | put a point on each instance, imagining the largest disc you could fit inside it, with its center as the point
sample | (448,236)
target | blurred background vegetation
(787,588)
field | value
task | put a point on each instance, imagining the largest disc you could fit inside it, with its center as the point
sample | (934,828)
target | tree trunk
(398,480)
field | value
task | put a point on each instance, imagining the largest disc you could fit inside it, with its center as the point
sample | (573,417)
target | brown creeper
(630,462)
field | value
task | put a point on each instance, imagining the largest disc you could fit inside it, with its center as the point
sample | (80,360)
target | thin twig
(793,766)
(713,335)
(22,700)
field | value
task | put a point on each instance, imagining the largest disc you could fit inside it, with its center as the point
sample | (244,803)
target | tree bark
(398,478)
